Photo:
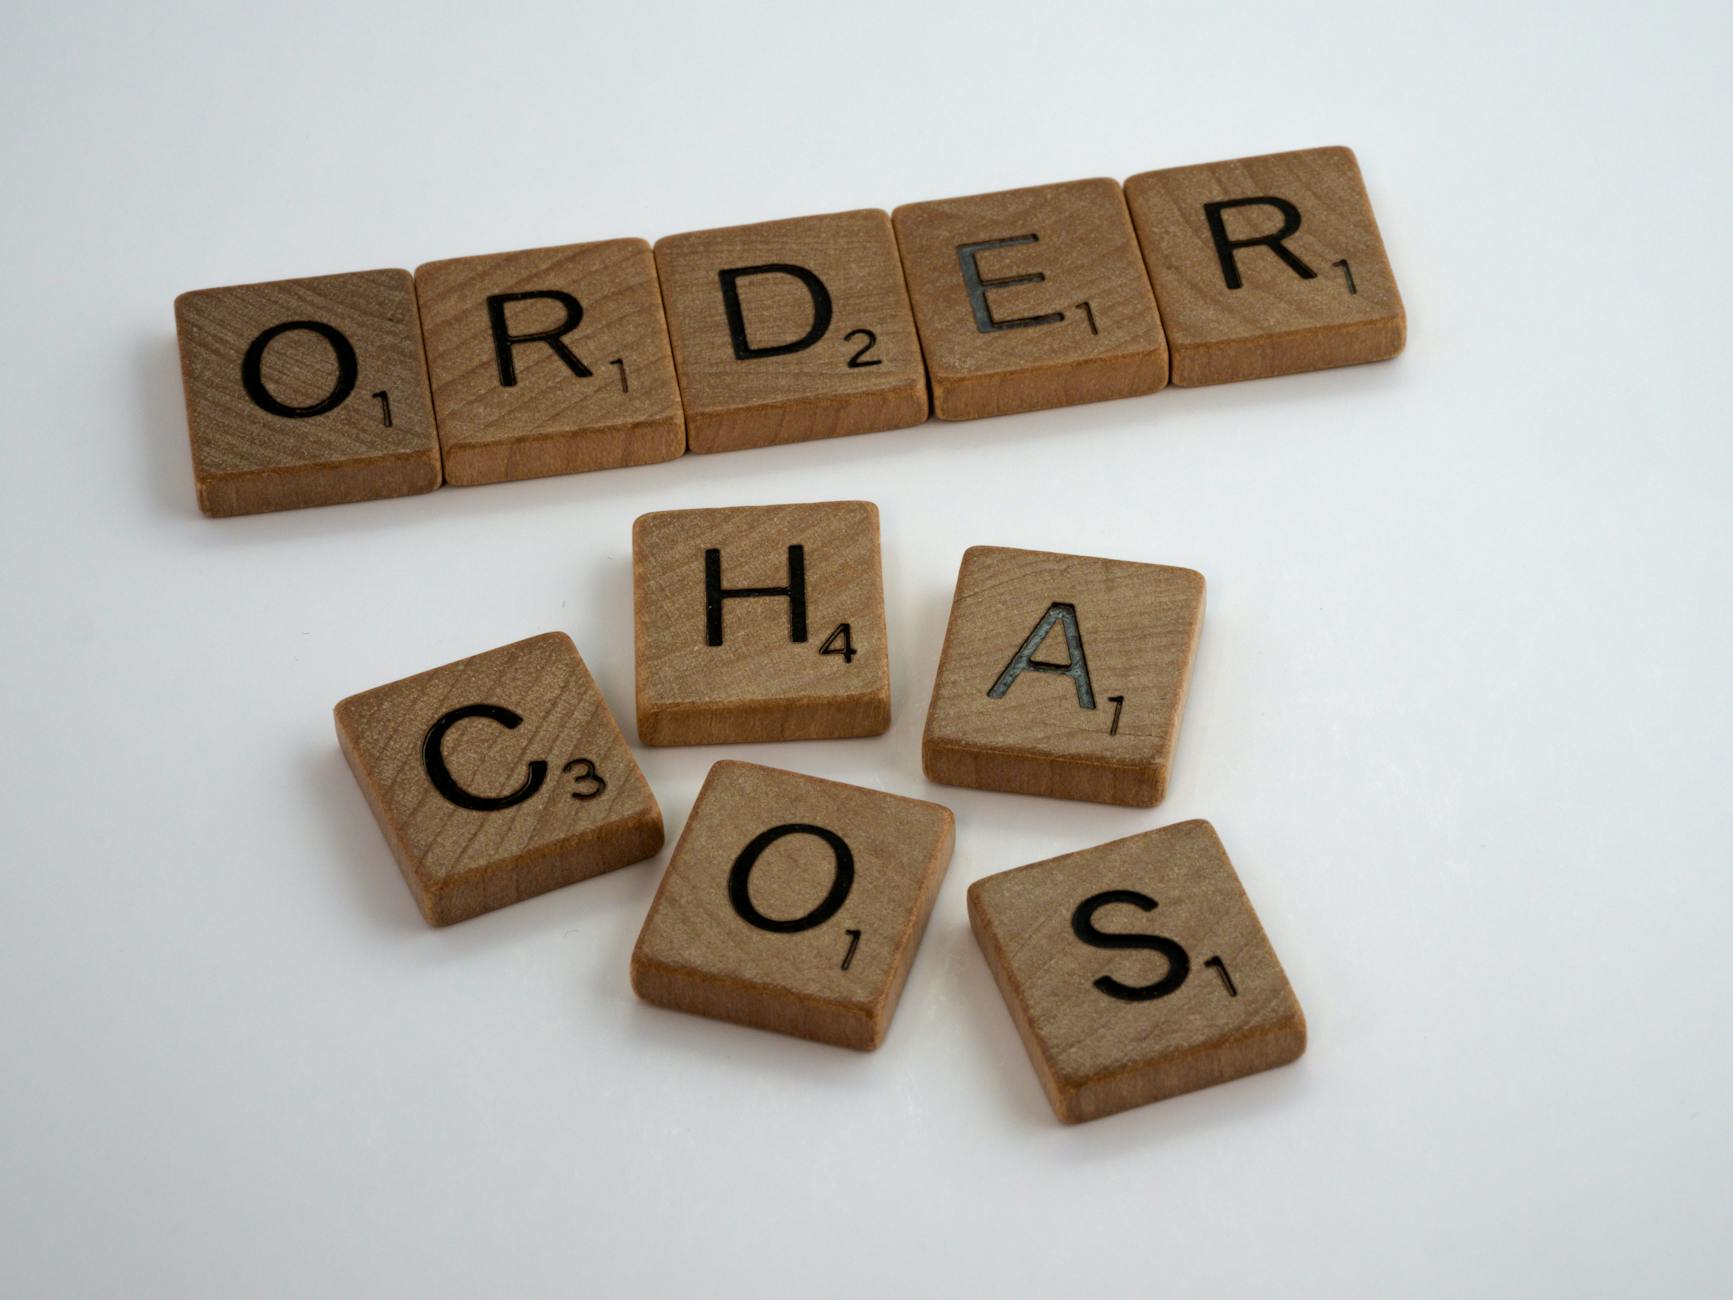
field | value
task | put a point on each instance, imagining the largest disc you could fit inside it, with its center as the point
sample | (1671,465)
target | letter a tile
(1267,266)
(1136,970)
(793,904)
(306,392)
(549,361)
(1063,675)
(1030,298)
(791,330)
(499,777)
(760,623)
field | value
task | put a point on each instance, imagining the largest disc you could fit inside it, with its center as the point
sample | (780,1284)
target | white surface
(1461,712)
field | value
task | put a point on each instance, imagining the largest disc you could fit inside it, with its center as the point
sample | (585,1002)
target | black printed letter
(504,340)
(978,287)
(740,880)
(744,351)
(1225,247)
(1076,666)
(1178,961)
(252,370)
(434,761)
(715,593)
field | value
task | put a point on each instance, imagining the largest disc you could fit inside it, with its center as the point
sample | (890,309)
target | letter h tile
(760,623)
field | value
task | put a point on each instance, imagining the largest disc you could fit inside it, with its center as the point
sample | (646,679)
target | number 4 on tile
(846,649)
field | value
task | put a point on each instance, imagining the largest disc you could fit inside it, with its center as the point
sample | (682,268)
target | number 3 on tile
(846,649)
(587,776)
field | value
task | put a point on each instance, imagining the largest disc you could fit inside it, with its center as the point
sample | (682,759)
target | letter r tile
(791,330)
(793,904)
(499,777)
(760,623)
(549,361)
(1267,266)
(1030,298)
(1063,675)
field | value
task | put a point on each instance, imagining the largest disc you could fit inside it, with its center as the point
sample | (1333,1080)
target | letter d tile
(791,330)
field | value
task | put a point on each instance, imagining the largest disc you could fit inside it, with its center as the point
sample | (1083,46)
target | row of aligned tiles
(613,353)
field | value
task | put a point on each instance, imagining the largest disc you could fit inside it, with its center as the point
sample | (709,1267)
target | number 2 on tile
(855,362)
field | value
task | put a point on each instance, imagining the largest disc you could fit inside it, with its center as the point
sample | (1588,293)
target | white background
(1461,711)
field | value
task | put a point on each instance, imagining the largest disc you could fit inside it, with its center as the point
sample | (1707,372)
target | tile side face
(550,361)
(1267,266)
(1136,970)
(306,392)
(790,330)
(760,623)
(1063,675)
(499,777)
(793,904)
(1030,298)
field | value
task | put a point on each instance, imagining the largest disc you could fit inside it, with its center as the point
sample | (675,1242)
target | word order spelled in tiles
(760,623)
(1136,970)
(790,330)
(1267,266)
(793,904)
(306,392)
(499,777)
(1063,675)
(1031,298)
(549,361)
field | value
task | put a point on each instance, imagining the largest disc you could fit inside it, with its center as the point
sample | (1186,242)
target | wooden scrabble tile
(1136,970)
(1267,266)
(760,623)
(794,904)
(549,361)
(1063,675)
(499,777)
(306,392)
(1030,298)
(790,330)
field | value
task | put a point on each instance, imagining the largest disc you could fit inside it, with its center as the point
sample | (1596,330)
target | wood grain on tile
(306,392)
(499,777)
(549,361)
(1063,675)
(790,330)
(1267,266)
(1030,298)
(1136,970)
(793,904)
(760,623)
